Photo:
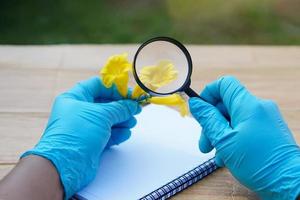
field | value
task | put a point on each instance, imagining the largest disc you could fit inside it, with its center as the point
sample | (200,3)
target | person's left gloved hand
(83,122)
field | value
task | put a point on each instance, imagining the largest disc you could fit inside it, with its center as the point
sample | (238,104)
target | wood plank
(19,132)
(25,90)
(277,84)
(33,90)
(4,169)
(25,71)
(93,56)
(14,56)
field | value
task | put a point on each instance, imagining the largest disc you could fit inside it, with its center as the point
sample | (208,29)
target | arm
(33,178)
(250,137)
(83,122)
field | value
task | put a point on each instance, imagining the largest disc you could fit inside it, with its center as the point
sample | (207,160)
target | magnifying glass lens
(161,67)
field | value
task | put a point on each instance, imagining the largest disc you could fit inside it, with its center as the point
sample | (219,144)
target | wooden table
(31,76)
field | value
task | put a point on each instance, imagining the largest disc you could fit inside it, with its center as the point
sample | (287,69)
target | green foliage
(132,21)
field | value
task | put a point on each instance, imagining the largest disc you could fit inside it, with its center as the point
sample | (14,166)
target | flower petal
(156,76)
(108,81)
(172,100)
(121,82)
(116,71)
(137,92)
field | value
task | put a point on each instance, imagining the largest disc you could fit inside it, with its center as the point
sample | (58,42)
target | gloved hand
(251,139)
(83,121)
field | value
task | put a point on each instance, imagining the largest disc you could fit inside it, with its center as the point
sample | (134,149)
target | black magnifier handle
(191,93)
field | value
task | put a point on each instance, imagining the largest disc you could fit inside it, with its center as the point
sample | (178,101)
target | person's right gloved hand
(251,139)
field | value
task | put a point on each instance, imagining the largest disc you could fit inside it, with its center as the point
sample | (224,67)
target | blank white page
(162,147)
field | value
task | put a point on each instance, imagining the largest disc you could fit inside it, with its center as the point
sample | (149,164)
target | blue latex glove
(83,121)
(251,139)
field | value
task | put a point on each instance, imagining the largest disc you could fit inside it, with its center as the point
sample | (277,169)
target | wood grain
(4,169)
(31,77)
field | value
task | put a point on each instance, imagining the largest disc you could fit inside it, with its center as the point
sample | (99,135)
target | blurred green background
(272,22)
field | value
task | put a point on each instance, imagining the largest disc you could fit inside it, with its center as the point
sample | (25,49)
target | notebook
(159,160)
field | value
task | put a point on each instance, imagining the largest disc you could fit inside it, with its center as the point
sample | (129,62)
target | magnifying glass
(155,52)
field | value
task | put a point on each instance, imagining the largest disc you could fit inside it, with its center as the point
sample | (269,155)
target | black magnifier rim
(187,82)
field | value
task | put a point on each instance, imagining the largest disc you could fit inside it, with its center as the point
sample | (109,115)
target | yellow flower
(171,100)
(137,92)
(115,71)
(156,76)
